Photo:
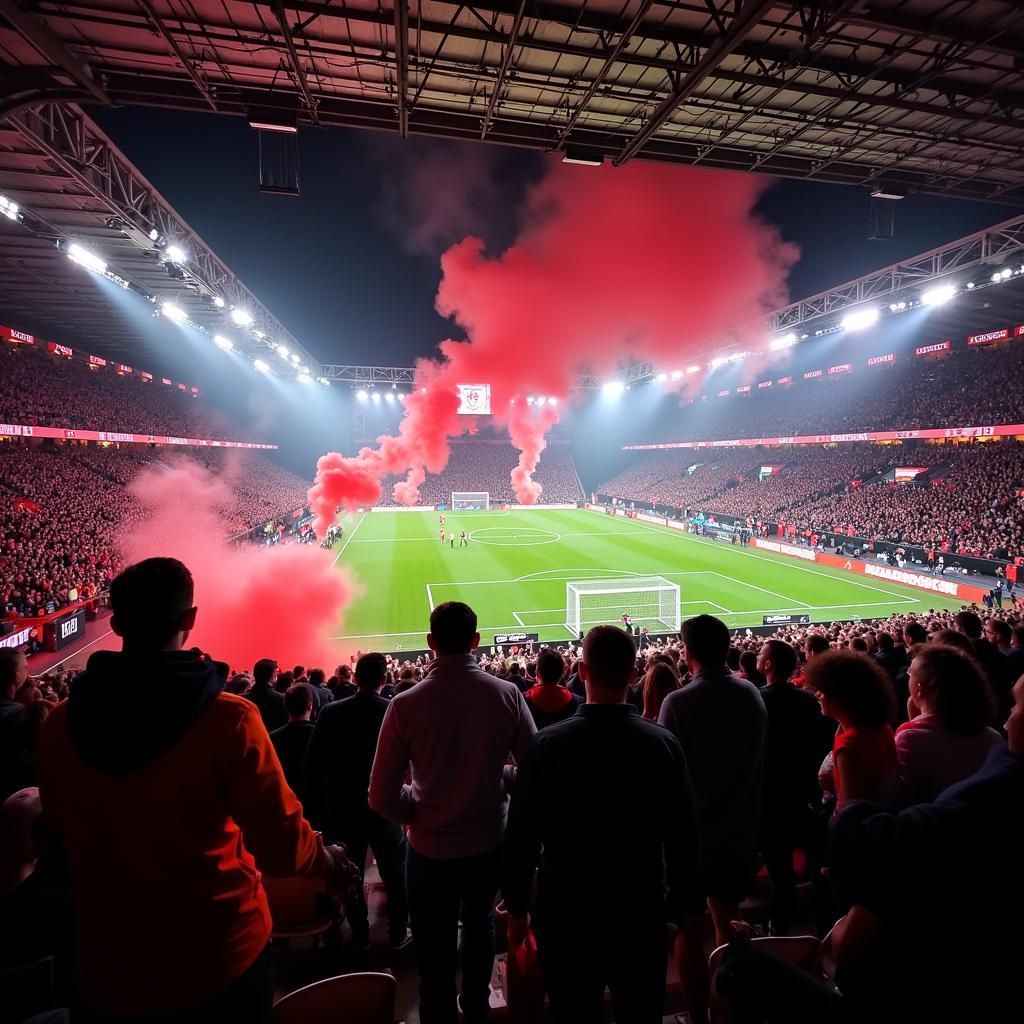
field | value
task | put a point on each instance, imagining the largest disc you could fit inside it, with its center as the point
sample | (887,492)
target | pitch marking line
(341,550)
(753,586)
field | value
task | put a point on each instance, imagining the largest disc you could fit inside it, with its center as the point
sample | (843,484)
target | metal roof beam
(402,64)
(278,7)
(506,62)
(189,67)
(743,23)
(40,36)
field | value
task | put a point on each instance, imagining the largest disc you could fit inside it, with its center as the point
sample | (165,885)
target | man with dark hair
(337,774)
(454,733)
(168,798)
(548,701)
(993,663)
(603,805)
(291,740)
(722,725)
(17,769)
(263,694)
(799,737)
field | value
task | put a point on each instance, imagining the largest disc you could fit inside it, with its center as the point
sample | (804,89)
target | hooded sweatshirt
(550,704)
(169,800)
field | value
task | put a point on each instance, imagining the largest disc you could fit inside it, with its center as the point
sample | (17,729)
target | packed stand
(609,796)
(62,508)
(40,389)
(486,465)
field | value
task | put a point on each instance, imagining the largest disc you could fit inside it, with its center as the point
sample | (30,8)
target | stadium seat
(365,998)
(300,908)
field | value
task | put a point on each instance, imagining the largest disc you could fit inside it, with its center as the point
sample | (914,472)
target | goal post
(650,601)
(464,501)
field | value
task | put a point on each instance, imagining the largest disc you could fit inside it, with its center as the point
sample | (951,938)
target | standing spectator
(659,681)
(263,694)
(16,762)
(344,687)
(168,798)
(337,772)
(291,740)
(799,737)
(550,702)
(317,680)
(948,736)
(454,732)
(993,664)
(857,693)
(603,788)
(721,723)
(815,645)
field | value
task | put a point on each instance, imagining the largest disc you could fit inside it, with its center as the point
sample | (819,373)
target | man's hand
(342,876)
(518,929)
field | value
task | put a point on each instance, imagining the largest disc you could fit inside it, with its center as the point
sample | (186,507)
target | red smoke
(612,265)
(280,602)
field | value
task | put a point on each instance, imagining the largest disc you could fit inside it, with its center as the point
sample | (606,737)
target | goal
(649,601)
(463,501)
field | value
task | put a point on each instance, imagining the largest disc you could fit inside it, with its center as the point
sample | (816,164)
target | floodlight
(1006,273)
(612,388)
(242,317)
(552,400)
(259,334)
(717,362)
(175,254)
(401,396)
(676,374)
(282,351)
(690,369)
(361,395)
(221,342)
(303,369)
(529,399)
(661,378)
(261,366)
(218,302)
(996,277)
(9,208)
(153,234)
(173,312)
(970,285)
(785,341)
(737,357)
(84,258)
(304,378)
(389,396)
(860,319)
(938,295)
(294,358)
(375,396)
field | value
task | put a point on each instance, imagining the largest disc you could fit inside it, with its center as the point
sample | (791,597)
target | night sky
(351,266)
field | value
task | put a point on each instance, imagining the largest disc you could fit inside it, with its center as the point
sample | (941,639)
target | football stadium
(511,511)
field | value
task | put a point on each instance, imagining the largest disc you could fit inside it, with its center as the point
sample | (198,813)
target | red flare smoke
(280,602)
(612,265)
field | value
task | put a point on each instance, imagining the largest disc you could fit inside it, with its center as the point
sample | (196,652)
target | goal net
(465,500)
(649,601)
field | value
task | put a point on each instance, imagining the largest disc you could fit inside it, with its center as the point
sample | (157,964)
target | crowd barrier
(56,630)
(121,437)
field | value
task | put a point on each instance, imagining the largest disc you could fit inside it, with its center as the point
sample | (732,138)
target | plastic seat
(26,990)
(299,908)
(365,998)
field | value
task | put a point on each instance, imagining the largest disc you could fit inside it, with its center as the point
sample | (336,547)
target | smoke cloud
(280,602)
(611,265)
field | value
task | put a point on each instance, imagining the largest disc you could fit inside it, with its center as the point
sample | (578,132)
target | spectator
(16,763)
(337,773)
(321,695)
(993,664)
(603,788)
(291,740)
(749,669)
(454,731)
(344,686)
(264,695)
(814,645)
(721,723)
(659,681)
(799,737)
(947,737)
(169,914)
(550,702)
(858,694)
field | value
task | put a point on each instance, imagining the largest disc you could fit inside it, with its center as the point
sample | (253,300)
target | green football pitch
(514,573)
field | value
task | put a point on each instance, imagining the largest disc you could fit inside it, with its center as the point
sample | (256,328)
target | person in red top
(167,796)
(548,701)
(857,693)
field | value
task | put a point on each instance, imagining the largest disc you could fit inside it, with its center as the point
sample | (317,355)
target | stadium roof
(896,96)
(73,184)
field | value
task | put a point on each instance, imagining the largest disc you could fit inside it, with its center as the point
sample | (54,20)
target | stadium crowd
(643,793)
(41,389)
(63,506)
(486,465)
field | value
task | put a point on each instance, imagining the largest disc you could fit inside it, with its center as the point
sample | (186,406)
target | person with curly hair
(857,693)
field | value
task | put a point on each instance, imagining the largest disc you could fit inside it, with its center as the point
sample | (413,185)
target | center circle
(510,536)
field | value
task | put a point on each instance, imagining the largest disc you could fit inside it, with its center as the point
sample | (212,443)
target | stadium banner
(60,350)
(504,639)
(989,337)
(786,620)
(998,430)
(903,473)
(18,337)
(927,350)
(904,577)
(841,368)
(64,630)
(18,639)
(876,360)
(65,434)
